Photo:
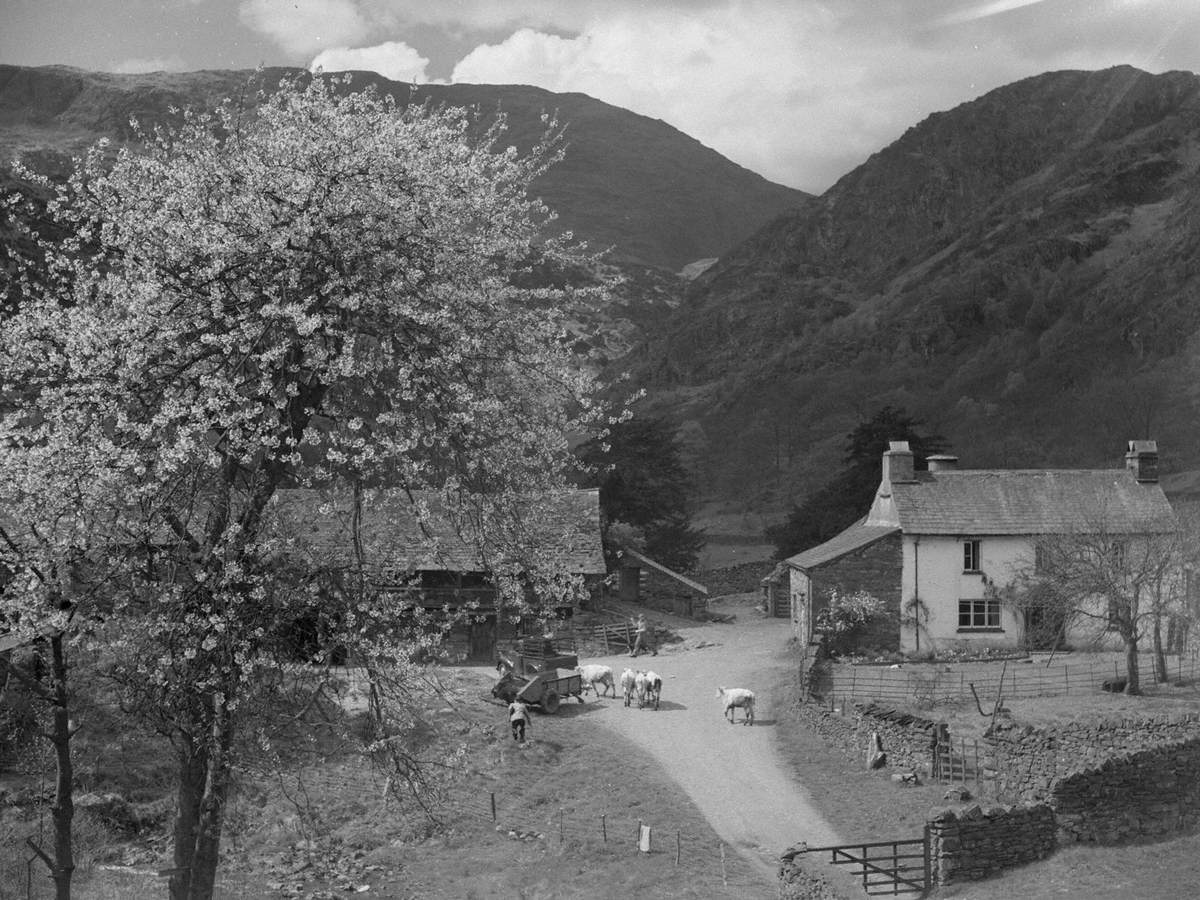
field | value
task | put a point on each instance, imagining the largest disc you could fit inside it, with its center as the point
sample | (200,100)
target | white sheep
(639,684)
(628,684)
(596,674)
(732,698)
(653,687)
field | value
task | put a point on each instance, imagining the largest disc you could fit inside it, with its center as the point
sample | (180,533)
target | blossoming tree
(327,290)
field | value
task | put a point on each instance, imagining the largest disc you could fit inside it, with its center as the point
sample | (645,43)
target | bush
(845,619)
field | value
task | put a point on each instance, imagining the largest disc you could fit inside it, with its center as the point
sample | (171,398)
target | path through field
(734,774)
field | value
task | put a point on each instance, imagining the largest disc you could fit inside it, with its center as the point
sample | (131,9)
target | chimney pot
(942,462)
(1142,460)
(898,463)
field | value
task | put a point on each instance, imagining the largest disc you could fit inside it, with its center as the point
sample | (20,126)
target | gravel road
(734,774)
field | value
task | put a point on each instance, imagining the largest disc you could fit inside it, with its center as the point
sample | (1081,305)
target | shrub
(844,620)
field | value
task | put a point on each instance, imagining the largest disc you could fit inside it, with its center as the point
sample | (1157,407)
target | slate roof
(670,573)
(1031,501)
(396,539)
(855,537)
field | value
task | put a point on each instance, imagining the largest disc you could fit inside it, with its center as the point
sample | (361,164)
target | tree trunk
(1160,659)
(63,810)
(193,766)
(1132,682)
(207,853)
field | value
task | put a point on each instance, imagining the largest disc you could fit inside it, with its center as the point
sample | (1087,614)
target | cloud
(173,63)
(767,85)
(392,59)
(801,92)
(303,27)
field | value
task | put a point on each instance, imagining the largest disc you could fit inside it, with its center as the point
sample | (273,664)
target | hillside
(658,197)
(1021,272)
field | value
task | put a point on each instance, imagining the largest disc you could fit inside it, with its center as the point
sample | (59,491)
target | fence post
(604,631)
(677,847)
(928,861)
(493,806)
(978,772)
(1067,679)
(603,828)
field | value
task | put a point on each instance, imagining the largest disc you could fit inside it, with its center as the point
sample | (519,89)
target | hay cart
(535,672)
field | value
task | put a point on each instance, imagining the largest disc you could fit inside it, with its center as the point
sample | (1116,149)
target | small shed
(650,583)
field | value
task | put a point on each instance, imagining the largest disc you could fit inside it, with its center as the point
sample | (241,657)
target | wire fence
(580,832)
(930,684)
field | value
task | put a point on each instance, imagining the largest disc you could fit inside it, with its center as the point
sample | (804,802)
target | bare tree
(1127,584)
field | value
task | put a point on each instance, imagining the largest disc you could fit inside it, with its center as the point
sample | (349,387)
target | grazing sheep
(628,683)
(640,685)
(732,698)
(594,675)
(653,688)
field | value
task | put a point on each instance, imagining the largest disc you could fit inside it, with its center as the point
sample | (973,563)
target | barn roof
(1030,501)
(408,532)
(855,537)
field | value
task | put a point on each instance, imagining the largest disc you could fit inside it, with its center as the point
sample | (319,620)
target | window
(979,614)
(970,556)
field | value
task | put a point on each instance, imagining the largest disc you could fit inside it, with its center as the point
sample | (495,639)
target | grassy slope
(335,834)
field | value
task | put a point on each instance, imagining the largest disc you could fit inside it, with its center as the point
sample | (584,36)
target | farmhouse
(446,562)
(937,546)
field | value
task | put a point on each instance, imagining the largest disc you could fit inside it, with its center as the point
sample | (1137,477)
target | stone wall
(1145,793)
(875,569)
(907,739)
(974,843)
(1028,761)
(798,883)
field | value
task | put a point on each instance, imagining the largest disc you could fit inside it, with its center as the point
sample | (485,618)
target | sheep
(639,685)
(732,698)
(653,688)
(594,675)
(628,683)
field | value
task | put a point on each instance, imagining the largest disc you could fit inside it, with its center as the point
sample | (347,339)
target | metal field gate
(886,867)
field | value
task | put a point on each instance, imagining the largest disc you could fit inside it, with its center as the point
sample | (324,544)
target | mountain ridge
(658,196)
(1022,272)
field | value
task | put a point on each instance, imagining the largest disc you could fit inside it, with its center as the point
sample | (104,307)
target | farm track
(735,775)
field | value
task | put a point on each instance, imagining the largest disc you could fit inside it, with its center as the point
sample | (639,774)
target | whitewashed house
(934,541)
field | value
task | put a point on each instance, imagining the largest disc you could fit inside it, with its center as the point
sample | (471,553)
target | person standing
(643,639)
(518,718)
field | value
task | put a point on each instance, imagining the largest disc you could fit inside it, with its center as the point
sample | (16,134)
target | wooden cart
(534,672)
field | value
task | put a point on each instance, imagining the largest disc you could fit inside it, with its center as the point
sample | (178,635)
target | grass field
(568,807)
(567,813)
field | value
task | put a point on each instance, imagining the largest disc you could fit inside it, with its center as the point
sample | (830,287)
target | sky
(800,92)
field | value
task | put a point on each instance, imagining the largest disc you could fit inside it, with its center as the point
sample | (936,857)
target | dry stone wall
(974,843)
(1028,761)
(1146,793)
(906,738)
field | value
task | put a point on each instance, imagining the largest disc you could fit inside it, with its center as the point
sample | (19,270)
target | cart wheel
(550,701)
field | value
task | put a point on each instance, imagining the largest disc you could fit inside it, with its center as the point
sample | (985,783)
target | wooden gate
(961,762)
(886,867)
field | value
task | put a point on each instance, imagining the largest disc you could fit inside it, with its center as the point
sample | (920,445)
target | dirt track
(734,774)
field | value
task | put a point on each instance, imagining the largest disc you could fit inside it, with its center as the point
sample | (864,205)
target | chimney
(898,463)
(1142,460)
(942,462)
